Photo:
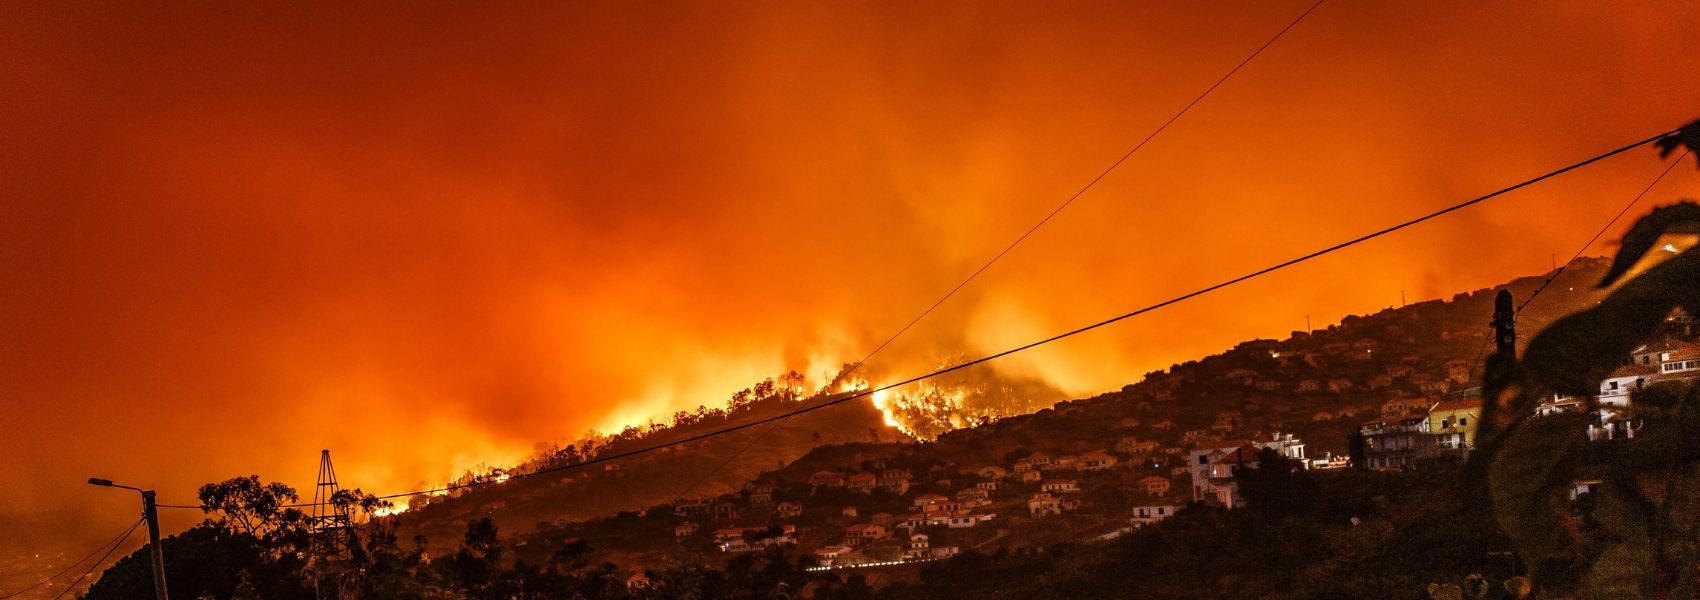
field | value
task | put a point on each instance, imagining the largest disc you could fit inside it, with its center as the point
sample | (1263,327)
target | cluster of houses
(1059,495)
(883,539)
(1308,381)
(915,547)
(761,496)
(1212,466)
(1388,378)
(1665,360)
(896,481)
(1046,485)
(1418,417)
(1408,431)
(1411,430)
(743,539)
(1049,485)
(1407,426)
(1355,355)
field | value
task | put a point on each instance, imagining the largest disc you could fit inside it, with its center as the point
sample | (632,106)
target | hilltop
(702,468)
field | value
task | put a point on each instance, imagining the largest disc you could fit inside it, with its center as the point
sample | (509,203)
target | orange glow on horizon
(431,243)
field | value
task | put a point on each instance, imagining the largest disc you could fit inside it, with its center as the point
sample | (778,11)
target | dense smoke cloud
(427,238)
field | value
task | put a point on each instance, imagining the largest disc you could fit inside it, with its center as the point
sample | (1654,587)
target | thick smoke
(427,238)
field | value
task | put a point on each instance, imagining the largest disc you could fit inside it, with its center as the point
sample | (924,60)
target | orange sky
(426,237)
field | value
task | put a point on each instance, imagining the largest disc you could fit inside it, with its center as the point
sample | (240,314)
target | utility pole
(150,513)
(1504,325)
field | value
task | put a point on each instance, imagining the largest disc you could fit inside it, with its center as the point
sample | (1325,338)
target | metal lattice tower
(328,515)
(333,531)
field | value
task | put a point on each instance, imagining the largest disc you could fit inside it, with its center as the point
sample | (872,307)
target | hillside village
(1381,392)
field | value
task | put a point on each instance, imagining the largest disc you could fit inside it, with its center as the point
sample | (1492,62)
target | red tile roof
(1473,403)
(1665,345)
(1687,353)
(1633,370)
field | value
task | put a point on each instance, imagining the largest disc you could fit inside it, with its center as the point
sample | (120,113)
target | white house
(863,482)
(1684,362)
(925,500)
(972,494)
(919,547)
(1213,467)
(1146,514)
(1097,460)
(1060,486)
(1155,485)
(1040,505)
(830,555)
(864,532)
(961,521)
(1617,386)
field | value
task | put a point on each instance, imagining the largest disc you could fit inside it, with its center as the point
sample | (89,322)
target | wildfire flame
(923,411)
(882,402)
(964,399)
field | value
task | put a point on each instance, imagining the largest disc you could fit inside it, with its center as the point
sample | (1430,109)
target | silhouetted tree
(1277,484)
(478,561)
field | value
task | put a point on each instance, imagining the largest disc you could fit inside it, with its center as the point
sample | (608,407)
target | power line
(988,358)
(113,542)
(1023,237)
(74,564)
(97,562)
(1603,230)
(1089,185)
(1579,251)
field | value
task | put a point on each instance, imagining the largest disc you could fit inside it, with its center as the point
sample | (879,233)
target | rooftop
(1664,345)
(1633,371)
(1470,404)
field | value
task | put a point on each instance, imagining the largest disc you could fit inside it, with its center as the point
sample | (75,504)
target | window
(1462,421)
(1203,460)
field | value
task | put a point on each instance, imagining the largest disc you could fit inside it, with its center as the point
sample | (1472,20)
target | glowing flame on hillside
(960,399)
(882,402)
(401,505)
(921,411)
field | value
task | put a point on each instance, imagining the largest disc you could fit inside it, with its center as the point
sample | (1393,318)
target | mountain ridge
(1324,383)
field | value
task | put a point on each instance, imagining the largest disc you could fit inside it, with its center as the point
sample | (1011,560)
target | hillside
(1315,385)
(649,479)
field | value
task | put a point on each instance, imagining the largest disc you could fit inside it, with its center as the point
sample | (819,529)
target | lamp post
(150,512)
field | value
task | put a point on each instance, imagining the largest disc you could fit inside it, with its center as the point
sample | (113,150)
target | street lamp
(150,512)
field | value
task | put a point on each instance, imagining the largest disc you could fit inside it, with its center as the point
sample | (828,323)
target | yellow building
(1453,423)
